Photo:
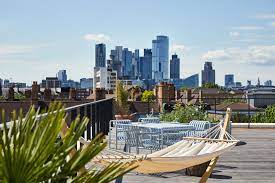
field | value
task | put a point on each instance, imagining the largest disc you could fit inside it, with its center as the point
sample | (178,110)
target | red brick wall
(10,106)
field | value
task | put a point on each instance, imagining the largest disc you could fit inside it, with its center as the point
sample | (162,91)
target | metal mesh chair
(118,128)
(173,135)
(200,127)
(141,138)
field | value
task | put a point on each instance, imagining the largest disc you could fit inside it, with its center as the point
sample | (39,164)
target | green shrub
(147,96)
(258,118)
(270,114)
(184,114)
(19,96)
(239,118)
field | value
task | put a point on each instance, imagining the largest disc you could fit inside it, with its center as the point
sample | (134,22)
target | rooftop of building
(253,162)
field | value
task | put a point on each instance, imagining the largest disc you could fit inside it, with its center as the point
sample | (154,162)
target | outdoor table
(165,128)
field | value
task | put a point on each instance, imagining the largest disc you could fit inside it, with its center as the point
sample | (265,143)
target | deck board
(253,162)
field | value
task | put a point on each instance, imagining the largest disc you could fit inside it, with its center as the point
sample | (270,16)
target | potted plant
(122,106)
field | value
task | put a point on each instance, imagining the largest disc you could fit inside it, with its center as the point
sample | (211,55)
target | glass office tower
(160,56)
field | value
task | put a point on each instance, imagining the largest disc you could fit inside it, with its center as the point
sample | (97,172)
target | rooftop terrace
(253,162)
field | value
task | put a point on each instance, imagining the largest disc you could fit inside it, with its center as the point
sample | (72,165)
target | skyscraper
(126,63)
(140,67)
(62,76)
(160,51)
(249,83)
(258,83)
(100,55)
(116,60)
(175,67)
(268,83)
(146,64)
(208,74)
(229,80)
(135,62)
(1,81)
(119,53)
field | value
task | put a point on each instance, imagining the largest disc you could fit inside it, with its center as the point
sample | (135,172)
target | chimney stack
(11,94)
(47,94)
(35,90)
(72,94)
(99,93)
(165,93)
(1,93)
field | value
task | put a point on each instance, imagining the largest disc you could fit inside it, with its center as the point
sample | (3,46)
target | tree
(147,96)
(184,88)
(211,85)
(31,150)
(121,99)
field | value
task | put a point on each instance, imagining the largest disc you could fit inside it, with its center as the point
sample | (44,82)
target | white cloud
(259,55)
(248,27)
(215,54)
(247,40)
(97,37)
(15,49)
(178,48)
(234,34)
(265,16)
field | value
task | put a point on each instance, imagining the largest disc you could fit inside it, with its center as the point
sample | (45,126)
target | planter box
(253,125)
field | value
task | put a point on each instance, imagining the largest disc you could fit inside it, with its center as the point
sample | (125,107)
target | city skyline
(39,38)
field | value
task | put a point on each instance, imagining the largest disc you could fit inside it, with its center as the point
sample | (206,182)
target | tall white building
(160,58)
(105,78)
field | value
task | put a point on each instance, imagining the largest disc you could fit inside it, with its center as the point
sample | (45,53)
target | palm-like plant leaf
(31,150)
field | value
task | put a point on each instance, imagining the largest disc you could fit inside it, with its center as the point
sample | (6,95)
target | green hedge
(268,116)
(189,113)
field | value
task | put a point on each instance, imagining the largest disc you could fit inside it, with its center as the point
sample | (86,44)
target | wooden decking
(253,162)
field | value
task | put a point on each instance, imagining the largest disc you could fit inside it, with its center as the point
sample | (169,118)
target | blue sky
(37,38)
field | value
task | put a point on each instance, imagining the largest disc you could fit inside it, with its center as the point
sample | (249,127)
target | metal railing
(213,105)
(99,114)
